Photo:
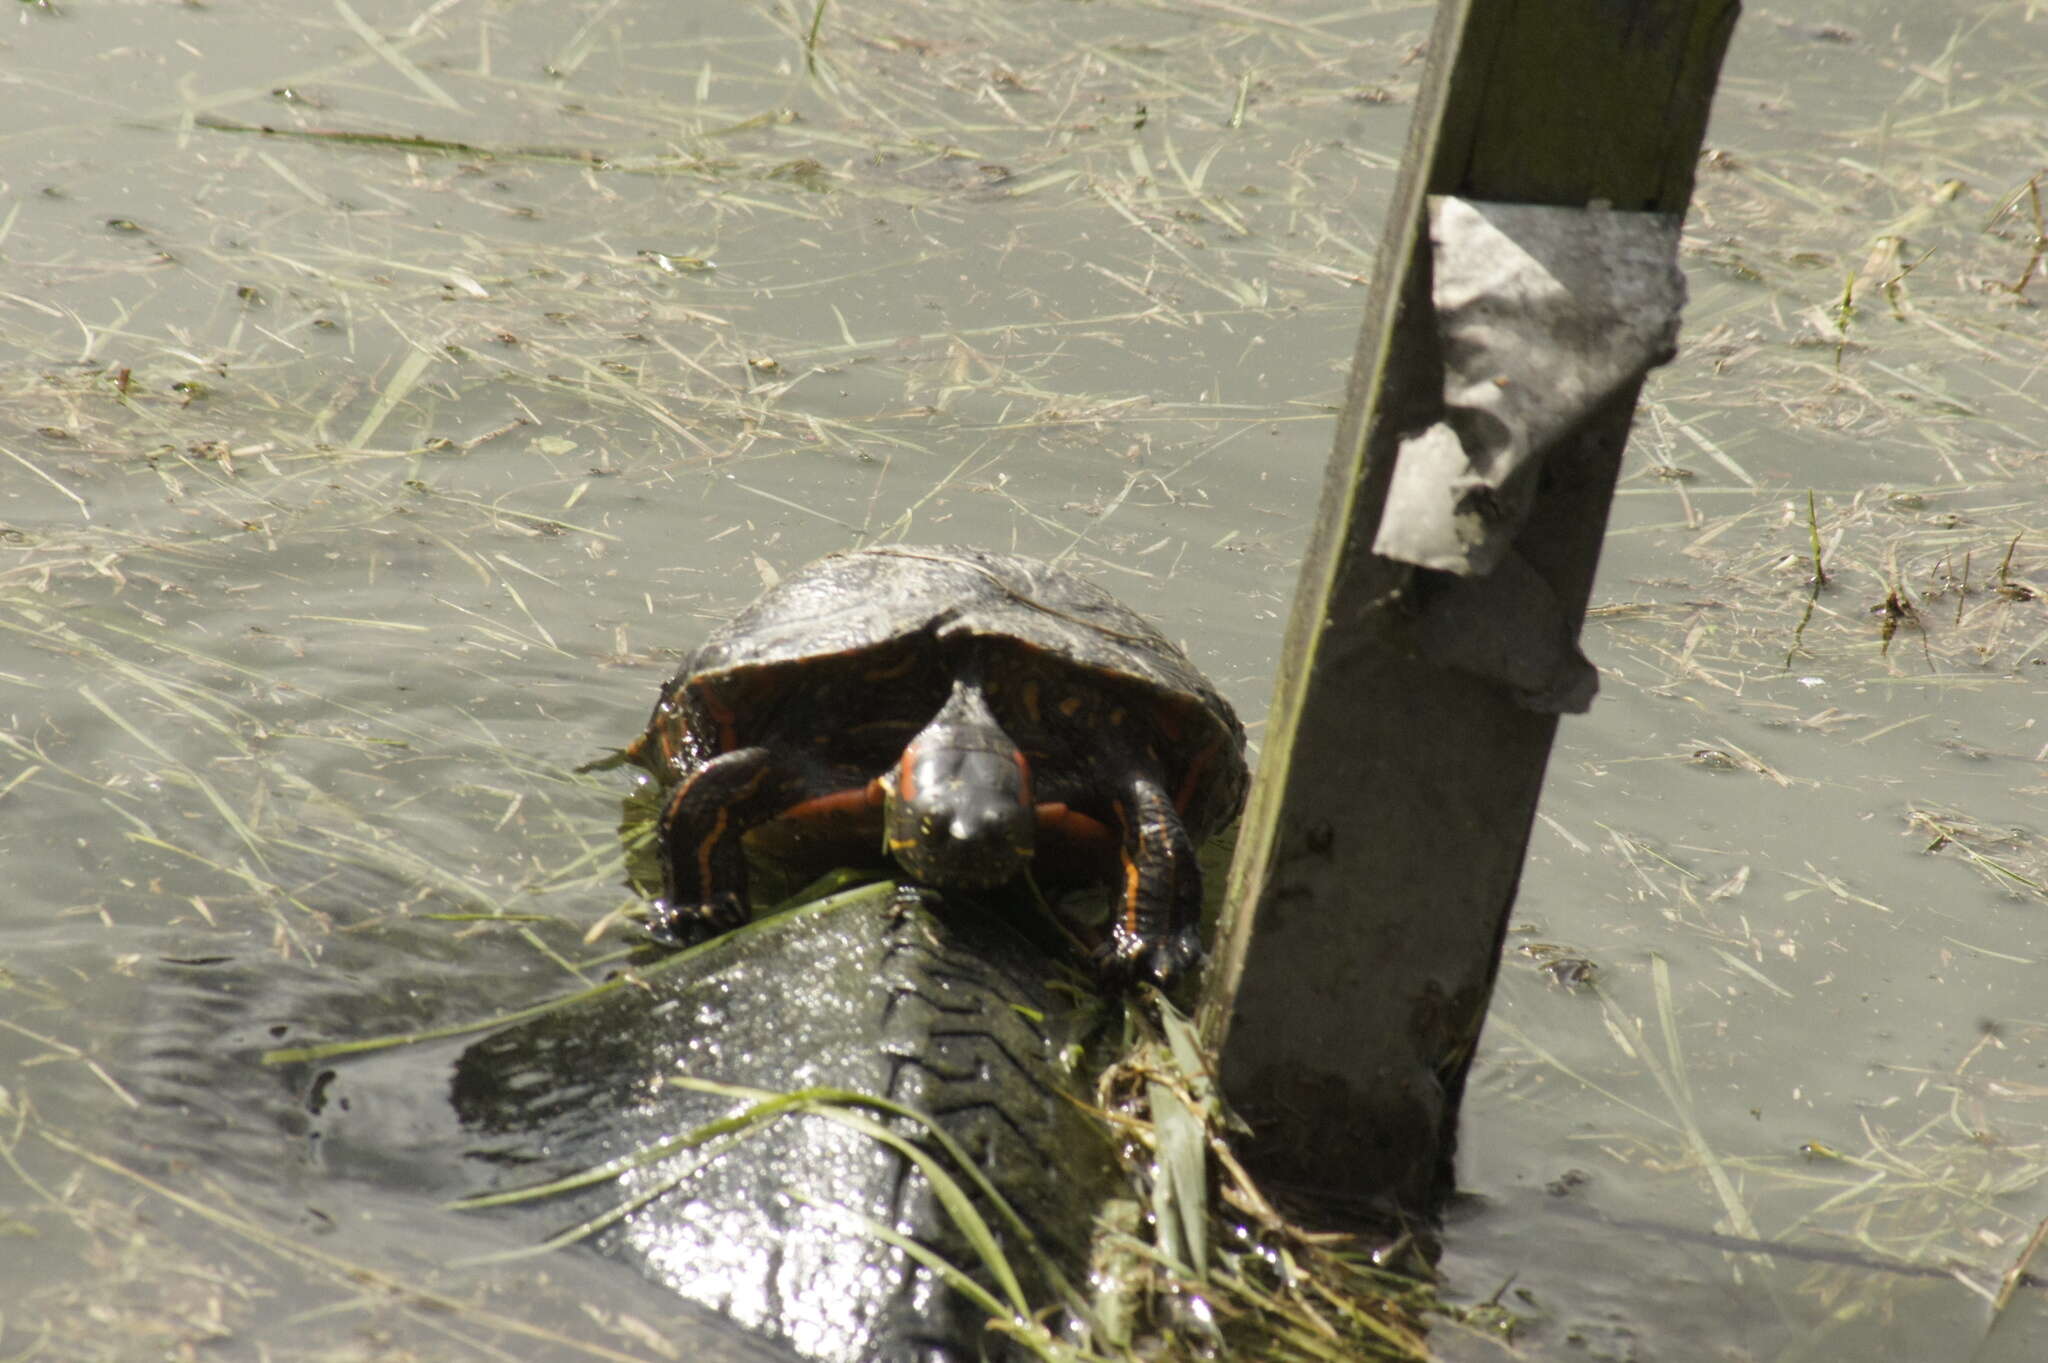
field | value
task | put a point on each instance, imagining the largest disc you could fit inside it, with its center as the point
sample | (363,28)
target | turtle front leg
(703,864)
(1157,933)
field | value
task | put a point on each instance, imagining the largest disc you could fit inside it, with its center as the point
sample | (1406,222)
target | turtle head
(957,810)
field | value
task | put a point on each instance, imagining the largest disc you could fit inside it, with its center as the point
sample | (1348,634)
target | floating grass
(1223,1266)
(1322,1306)
(951,1179)
(2020,862)
(456,1315)
(1820,572)
(1888,1207)
(409,143)
(273,472)
(956,1181)
(811,36)
(713,1140)
(765,925)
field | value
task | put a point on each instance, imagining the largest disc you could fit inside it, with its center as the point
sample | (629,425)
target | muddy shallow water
(357,489)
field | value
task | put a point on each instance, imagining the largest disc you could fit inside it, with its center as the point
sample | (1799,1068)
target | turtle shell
(844,607)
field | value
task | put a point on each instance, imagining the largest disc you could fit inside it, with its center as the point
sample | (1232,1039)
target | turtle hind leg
(699,836)
(1156,935)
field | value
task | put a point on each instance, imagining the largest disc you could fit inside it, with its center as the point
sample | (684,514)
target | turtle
(966,714)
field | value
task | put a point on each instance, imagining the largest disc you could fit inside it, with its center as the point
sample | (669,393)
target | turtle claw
(1164,960)
(686,925)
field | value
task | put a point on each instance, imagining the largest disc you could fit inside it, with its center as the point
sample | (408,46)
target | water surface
(357,490)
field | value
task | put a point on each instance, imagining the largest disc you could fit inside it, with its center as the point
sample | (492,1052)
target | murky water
(355,491)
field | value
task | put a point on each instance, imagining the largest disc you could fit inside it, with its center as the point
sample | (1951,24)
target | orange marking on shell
(1071,706)
(656,749)
(722,716)
(1031,702)
(1024,776)
(1193,779)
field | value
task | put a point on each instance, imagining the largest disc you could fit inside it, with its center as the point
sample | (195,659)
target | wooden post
(1385,838)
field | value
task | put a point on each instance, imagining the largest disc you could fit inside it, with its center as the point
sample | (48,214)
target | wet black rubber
(946,1012)
(775,1227)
